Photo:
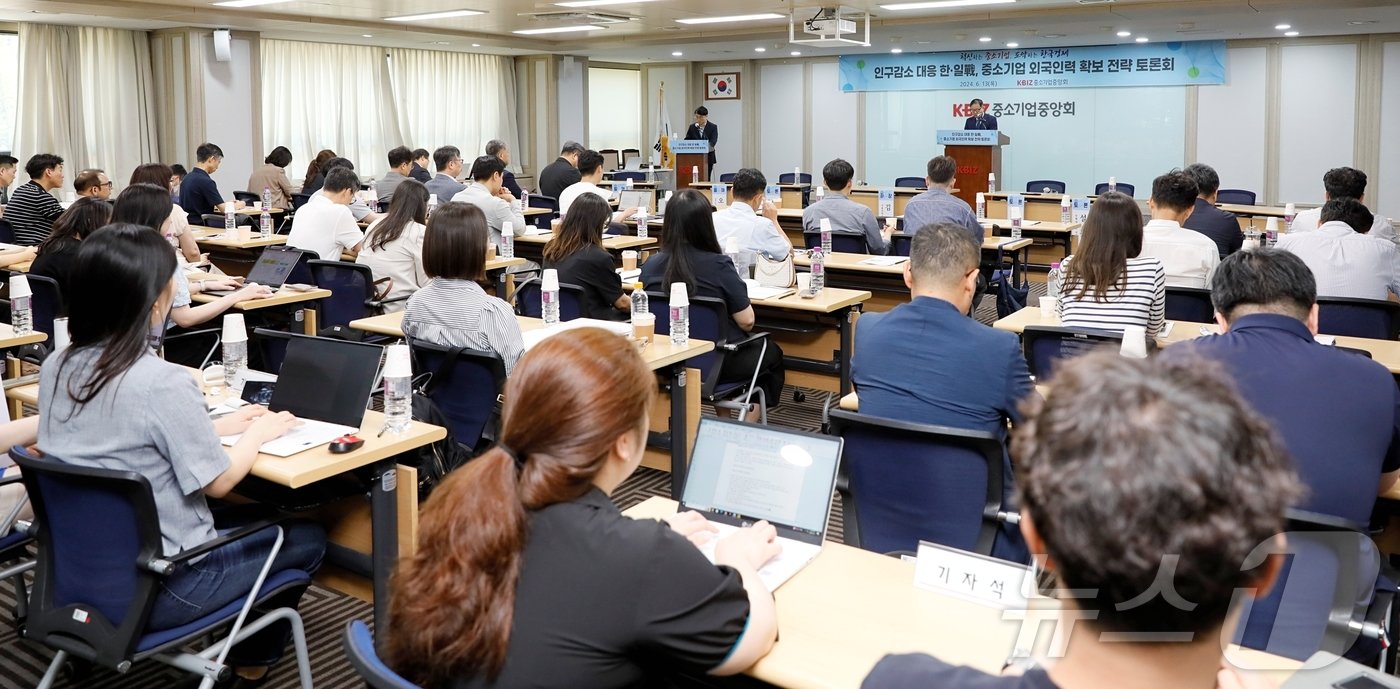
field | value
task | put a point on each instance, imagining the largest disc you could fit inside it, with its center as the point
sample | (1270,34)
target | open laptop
(271,269)
(638,198)
(741,473)
(326,383)
(632,163)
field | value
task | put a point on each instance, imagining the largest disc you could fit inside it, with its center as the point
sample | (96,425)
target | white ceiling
(652,33)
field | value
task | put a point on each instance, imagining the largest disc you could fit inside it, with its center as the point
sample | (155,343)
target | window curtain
(86,94)
(458,99)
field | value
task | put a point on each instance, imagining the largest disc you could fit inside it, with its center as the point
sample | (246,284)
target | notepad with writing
(884,260)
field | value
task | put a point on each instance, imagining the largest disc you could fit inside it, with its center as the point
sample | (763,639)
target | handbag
(770,273)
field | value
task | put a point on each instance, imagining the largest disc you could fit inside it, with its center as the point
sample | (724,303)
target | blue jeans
(228,573)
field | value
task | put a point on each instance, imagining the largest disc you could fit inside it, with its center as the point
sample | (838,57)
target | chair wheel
(798,396)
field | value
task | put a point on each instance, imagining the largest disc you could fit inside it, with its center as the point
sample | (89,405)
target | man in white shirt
(1344,182)
(590,166)
(1189,257)
(400,164)
(1345,259)
(755,233)
(495,201)
(324,225)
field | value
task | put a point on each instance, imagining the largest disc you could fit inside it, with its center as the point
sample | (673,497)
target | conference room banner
(1146,64)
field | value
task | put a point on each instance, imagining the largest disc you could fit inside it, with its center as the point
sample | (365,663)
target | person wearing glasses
(448,160)
(94,183)
(980,119)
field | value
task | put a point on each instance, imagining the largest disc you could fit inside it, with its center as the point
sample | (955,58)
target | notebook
(272,268)
(741,473)
(762,292)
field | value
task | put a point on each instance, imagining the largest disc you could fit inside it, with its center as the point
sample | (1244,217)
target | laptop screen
(762,472)
(273,266)
(326,379)
(638,198)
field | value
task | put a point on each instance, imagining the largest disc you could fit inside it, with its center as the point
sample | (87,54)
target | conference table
(801,327)
(283,296)
(531,246)
(790,195)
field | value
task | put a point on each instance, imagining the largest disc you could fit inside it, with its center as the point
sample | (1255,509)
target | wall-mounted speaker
(223,45)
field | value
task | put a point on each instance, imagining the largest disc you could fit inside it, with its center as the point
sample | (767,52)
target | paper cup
(1134,342)
(555,224)
(804,281)
(1047,307)
(490,251)
(644,326)
(234,329)
(398,362)
(629,260)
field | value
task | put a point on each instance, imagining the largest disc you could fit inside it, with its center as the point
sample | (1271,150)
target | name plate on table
(773,193)
(719,195)
(966,137)
(617,188)
(885,204)
(1079,209)
(681,146)
(1016,206)
(977,578)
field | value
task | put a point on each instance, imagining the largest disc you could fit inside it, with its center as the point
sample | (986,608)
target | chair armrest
(166,565)
(13,478)
(374,304)
(736,346)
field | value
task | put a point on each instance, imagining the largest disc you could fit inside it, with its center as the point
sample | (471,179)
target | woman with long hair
(690,254)
(178,233)
(56,253)
(1107,285)
(272,176)
(577,252)
(315,172)
(107,401)
(526,574)
(393,244)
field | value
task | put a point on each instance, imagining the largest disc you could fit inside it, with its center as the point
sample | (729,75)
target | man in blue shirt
(980,118)
(1338,413)
(1223,228)
(937,205)
(199,194)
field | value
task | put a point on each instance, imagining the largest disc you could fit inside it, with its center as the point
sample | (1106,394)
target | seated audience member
(742,223)
(24,432)
(358,208)
(315,172)
(590,166)
(1189,257)
(1107,284)
(106,401)
(199,195)
(1344,182)
(93,182)
(7,177)
(177,176)
(497,204)
(847,216)
(524,559)
(452,309)
(1221,227)
(1344,258)
(690,254)
(558,175)
(400,163)
(1168,426)
(577,252)
(55,255)
(393,245)
(272,176)
(32,209)
(938,205)
(179,236)
(419,171)
(498,148)
(325,225)
(448,160)
(1346,444)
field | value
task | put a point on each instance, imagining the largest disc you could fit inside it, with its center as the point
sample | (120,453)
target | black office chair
(527,300)
(465,385)
(7,232)
(1239,197)
(548,203)
(359,649)
(15,560)
(217,220)
(253,200)
(787,178)
(911,182)
(726,178)
(1190,304)
(844,242)
(299,200)
(1045,345)
(1046,186)
(709,320)
(1121,187)
(901,243)
(1377,319)
(352,289)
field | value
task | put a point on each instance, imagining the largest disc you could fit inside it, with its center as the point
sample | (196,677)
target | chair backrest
(359,648)
(611,159)
(709,320)
(901,244)
(1121,187)
(1045,345)
(910,182)
(248,197)
(93,589)
(840,241)
(464,392)
(634,175)
(47,303)
(271,346)
(1239,197)
(1052,186)
(546,202)
(217,219)
(527,300)
(1373,318)
(351,286)
(907,482)
(629,152)
(726,177)
(7,232)
(787,178)
(299,200)
(1190,304)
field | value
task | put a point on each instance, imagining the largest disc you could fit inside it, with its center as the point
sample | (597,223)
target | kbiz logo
(965,110)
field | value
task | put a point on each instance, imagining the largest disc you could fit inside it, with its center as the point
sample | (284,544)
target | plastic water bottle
(235,355)
(661,205)
(549,296)
(821,193)
(507,240)
(1066,210)
(267,198)
(230,220)
(21,315)
(1113,184)
(991,182)
(981,206)
(1052,281)
(680,315)
(731,249)
(265,223)
(694,174)
(642,228)
(1289,213)
(432,203)
(398,389)
(1015,226)
(640,302)
(524,199)
(826,235)
(818,270)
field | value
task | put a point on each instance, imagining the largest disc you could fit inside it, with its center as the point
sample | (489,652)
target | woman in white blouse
(1107,285)
(393,246)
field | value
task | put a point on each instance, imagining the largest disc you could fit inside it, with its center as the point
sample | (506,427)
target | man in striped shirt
(32,209)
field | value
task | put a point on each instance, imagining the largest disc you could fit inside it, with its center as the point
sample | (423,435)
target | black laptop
(271,269)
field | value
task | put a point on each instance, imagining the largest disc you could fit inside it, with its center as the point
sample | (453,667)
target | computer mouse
(345,443)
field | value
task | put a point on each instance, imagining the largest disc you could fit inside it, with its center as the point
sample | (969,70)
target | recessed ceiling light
(1052,35)
(896,51)
(1284,27)
(367,35)
(433,15)
(1141,39)
(248,3)
(598,3)
(441,43)
(985,39)
(677,54)
(730,18)
(476,45)
(1013,45)
(939,4)
(760,50)
(1361,23)
(1290,33)
(1124,34)
(795,53)
(558,29)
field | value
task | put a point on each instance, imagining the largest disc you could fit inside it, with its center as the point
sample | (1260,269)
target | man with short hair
(93,182)
(358,208)
(419,171)
(938,205)
(400,164)
(980,119)
(1343,256)
(448,160)
(1188,257)
(324,224)
(558,175)
(590,165)
(703,128)
(199,195)
(7,177)
(846,216)
(1344,182)
(1221,227)
(32,208)
(485,192)
(498,148)
(741,223)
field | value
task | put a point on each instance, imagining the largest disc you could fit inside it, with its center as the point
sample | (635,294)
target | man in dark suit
(980,118)
(1223,228)
(558,175)
(703,128)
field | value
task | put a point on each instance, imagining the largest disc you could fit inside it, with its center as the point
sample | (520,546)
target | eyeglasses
(107,184)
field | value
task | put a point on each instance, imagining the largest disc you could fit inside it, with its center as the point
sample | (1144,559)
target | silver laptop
(638,198)
(741,473)
(632,163)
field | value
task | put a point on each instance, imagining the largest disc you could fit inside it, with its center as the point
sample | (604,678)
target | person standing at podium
(703,128)
(980,118)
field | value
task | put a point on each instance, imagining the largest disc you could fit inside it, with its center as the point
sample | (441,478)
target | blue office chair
(1239,197)
(548,203)
(634,175)
(15,561)
(1191,304)
(1045,345)
(1377,319)
(7,232)
(359,648)
(844,242)
(527,300)
(911,182)
(909,482)
(1122,188)
(465,385)
(709,320)
(901,243)
(45,305)
(787,178)
(217,220)
(94,588)
(299,200)
(1046,186)
(726,178)
(352,294)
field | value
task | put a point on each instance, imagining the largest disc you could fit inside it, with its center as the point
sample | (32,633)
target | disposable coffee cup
(234,329)
(1047,307)
(490,251)
(629,260)
(804,282)
(555,224)
(397,361)
(1134,342)
(644,326)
